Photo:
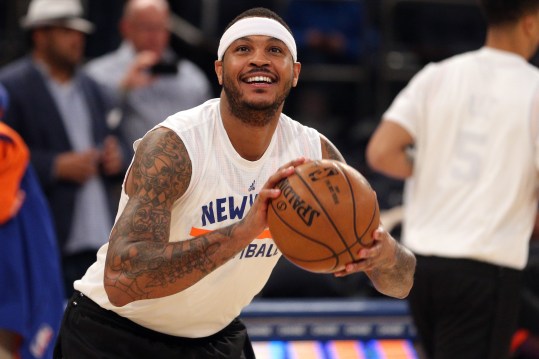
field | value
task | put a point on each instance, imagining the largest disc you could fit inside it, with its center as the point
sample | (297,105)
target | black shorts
(89,331)
(463,308)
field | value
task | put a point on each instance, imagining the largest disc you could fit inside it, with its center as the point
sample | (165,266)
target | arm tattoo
(330,151)
(397,281)
(140,258)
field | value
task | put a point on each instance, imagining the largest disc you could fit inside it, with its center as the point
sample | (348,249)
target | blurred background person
(32,299)
(464,133)
(328,31)
(333,35)
(146,79)
(61,114)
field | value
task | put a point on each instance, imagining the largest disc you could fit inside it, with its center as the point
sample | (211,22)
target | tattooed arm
(389,265)
(141,262)
(329,150)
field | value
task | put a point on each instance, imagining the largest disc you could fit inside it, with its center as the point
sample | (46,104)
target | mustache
(259,70)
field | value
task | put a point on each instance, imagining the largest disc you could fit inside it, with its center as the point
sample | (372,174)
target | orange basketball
(326,212)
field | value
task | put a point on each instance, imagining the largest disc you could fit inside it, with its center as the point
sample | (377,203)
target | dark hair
(259,12)
(502,12)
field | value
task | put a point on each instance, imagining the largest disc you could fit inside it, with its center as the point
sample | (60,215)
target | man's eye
(276,49)
(242,49)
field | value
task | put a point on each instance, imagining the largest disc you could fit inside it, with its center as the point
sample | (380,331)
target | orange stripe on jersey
(200,231)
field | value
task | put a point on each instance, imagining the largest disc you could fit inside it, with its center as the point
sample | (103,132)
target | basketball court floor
(331,329)
(336,349)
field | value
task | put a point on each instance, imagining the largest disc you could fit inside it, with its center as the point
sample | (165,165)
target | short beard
(256,115)
(59,61)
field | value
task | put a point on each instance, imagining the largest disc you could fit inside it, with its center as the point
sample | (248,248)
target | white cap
(62,13)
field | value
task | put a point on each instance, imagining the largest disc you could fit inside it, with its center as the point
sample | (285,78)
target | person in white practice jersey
(190,247)
(464,135)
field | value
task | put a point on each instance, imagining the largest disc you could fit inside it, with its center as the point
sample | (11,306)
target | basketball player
(186,254)
(471,183)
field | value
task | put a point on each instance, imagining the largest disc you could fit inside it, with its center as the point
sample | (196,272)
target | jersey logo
(41,341)
(252,187)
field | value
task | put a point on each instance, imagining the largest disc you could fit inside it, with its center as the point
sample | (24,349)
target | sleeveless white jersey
(473,192)
(222,189)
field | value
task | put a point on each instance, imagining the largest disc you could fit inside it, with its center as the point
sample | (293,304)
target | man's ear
(219,71)
(297,70)
(123,29)
(529,24)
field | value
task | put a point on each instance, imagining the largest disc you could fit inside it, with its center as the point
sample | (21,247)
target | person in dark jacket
(61,114)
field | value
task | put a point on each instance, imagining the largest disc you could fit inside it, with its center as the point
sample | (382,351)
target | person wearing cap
(61,115)
(146,79)
(189,249)
(32,300)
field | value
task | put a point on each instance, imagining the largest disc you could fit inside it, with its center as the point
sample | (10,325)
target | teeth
(259,79)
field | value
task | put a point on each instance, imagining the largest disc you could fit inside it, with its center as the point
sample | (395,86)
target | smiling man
(189,249)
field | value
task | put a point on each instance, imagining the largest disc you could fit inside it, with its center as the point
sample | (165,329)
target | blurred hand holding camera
(138,75)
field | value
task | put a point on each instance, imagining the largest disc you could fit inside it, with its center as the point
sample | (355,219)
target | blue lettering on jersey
(207,214)
(257,250)
(230,208)
(226,208)
(221,210)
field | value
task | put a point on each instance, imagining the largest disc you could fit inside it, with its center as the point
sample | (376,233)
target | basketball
(326,212)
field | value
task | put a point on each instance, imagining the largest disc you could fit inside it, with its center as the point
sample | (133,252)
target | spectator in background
(144,77)
(464,133)
(328,31)
(61,114)
(332,35)
(32,297)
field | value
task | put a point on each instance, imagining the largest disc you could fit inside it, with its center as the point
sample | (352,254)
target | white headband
(257,26)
